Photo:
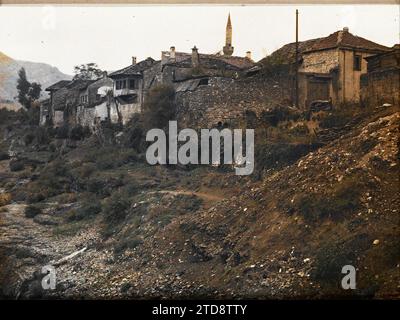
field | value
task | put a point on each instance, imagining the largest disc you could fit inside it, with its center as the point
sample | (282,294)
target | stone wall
(381,86)
(226,101)
(320,61)
(127,111)
(58,118)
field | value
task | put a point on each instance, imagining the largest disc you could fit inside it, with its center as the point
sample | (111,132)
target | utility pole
(297,61)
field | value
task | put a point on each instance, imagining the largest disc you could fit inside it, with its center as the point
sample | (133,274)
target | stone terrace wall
(379,87)
(226,101)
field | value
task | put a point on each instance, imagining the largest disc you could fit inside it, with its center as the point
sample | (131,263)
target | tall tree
(27,92)
(89,71)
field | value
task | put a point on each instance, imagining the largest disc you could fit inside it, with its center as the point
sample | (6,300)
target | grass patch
(338,204)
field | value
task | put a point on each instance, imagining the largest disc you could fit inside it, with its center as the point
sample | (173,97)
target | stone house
(129,88)
(330,68)
(45,112)
(48,109)
(179,66)
(66,100)
(95,102)
(381,83)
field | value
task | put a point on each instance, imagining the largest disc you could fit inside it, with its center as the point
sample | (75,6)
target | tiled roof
(135,69)
(215,61)
(344,38)
(287,53)
(58,85)
(79,84)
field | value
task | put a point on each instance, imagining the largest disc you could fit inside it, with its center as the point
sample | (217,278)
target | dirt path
(26,246)
(209,198)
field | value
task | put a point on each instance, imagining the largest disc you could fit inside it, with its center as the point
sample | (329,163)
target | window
(132,84)
(120,84)
(357,62)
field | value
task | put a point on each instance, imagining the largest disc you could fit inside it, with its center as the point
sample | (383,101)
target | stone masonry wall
(381,87)
(320,61)
(226,101)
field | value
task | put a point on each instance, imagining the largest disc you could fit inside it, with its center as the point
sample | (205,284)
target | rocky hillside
(42,73)
(115,227)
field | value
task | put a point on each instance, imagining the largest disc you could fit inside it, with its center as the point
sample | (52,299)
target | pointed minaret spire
(228,49)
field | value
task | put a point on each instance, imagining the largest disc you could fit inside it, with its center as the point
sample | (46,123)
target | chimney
(345,29)
(172,53)
(133,61)
(248,55)
(195,57)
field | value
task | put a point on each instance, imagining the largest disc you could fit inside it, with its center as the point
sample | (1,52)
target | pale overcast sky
(64,36)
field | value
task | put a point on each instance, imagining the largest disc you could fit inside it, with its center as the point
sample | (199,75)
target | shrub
(88,209)
(78,132)
(115,158)
(116,207)
(4,155)
(126,243)
(343,200)
(333,255)
(16,165)
(32,211)
(42,136)
(28,138)
(279,114)
(278,155)
(300,130)
(62,132)
(134,134)
(337,118)
(159,107)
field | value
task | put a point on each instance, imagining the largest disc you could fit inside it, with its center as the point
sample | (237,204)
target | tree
(28,92)
(89,71)
(159,107)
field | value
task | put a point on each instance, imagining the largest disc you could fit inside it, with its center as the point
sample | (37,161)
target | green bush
(159,107)
(344,199)
(88,209)
(279,114)
(116,207)
(42,136)
(16,165)
(62,132)
(79,132)
(29,138)
(32,211)
(337,118)
(278,155)
(4,155)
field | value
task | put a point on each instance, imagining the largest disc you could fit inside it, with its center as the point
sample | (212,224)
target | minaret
(228,49)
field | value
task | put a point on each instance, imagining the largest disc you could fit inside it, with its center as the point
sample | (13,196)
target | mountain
(42,73)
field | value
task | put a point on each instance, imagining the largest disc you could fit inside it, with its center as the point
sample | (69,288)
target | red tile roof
(344,39)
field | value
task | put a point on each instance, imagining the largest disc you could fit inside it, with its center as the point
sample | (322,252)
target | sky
(65,36)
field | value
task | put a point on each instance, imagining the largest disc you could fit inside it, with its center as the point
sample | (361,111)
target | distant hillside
(37,72)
